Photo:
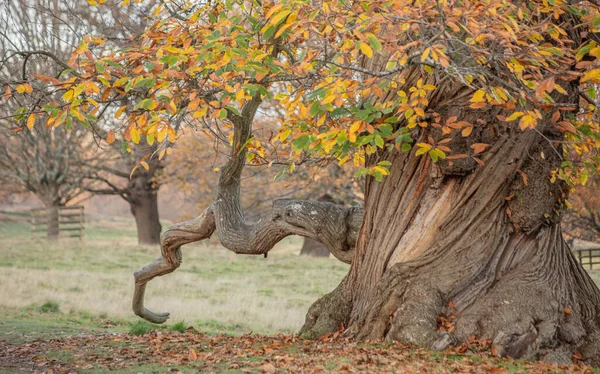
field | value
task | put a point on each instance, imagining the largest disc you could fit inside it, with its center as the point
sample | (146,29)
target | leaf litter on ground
(192,351)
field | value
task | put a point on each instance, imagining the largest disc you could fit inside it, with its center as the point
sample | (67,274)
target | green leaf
(379,141)
(301,142)
(315,109)
(374,42)
(269,32)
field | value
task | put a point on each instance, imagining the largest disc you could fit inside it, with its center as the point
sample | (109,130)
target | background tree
(48,162)
(139,188)
(55,164)
(462,115)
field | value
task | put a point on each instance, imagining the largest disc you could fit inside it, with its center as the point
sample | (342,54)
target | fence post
(590,259)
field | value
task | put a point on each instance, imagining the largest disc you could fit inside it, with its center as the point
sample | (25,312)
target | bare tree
(39,39)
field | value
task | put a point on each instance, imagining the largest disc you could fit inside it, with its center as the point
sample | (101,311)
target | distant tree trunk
(314,248)
(51,200)
(144,207)
(145,211)
(53,228)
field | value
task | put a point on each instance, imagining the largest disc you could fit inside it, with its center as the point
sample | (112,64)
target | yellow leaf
(68,96)
(328,99)
(280,17)
(423,148)
(239,95)
(120,111)
(150,139)
(514,116)
(135,135)
(366,49)
(162,134)
(425,54)
(359,159)
(478,97)
(201,112)
(24,88)
(592,75)
(273,10)
(527,121)
(31,121)
(355,127)
(145,165)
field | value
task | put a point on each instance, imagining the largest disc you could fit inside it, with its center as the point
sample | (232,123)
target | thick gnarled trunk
(483,250)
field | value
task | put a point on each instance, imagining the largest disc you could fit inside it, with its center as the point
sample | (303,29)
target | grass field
(80,292)
(213,289)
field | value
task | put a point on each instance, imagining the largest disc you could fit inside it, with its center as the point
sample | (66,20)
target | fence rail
(68,222)
(588,256)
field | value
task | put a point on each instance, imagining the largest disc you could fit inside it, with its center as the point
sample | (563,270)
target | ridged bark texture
(483,250)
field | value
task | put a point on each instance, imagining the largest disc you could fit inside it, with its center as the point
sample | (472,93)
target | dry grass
(213,285)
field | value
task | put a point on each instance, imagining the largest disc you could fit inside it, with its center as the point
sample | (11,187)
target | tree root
(328,314)
(521,316)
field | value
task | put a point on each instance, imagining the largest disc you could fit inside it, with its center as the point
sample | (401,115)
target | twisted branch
(335,226)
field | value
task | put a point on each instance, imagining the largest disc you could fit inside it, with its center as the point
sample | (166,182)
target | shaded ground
(191,351)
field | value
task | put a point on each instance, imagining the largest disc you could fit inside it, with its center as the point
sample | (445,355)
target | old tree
(472,121)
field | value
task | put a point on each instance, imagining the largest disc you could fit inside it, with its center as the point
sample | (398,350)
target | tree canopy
(344,74)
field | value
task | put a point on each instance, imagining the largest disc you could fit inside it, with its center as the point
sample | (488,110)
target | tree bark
(312,247)
(480,247)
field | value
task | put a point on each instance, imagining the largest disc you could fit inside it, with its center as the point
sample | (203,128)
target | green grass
(178,326)
(141,328)
(50,307)
(214,289)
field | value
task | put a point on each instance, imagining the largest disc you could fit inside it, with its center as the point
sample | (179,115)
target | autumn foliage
(342,73)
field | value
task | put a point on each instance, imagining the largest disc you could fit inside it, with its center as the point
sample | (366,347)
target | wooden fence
(69,222)
(588,257)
